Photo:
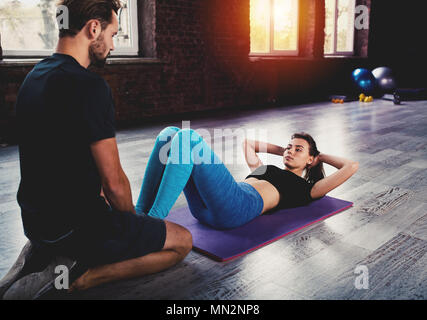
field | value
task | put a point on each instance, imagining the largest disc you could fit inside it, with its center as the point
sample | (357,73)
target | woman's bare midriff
(268,192)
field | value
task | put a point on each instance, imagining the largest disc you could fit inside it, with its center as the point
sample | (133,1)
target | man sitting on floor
(70,162)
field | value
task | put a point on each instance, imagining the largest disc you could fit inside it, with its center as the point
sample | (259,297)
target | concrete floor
(385,230)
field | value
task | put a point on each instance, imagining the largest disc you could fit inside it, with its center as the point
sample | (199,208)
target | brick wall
(203,49)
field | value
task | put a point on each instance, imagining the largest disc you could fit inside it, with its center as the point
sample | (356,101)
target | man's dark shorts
(117,236)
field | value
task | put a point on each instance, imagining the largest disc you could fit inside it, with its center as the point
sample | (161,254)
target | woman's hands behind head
(315,162)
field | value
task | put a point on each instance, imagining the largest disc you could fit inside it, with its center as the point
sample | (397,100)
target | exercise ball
(364,80)
(385,79)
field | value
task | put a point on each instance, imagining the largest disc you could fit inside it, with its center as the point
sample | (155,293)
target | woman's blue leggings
(182,161)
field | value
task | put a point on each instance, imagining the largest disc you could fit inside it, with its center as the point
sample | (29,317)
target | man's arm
(115,183)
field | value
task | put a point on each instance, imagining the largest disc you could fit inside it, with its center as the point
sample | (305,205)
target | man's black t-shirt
(61,109)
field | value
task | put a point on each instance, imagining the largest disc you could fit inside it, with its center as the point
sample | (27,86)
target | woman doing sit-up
(182,161)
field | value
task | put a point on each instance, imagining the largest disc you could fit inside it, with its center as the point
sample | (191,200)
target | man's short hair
(81,11)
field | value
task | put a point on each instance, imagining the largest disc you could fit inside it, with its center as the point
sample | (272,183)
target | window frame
(133,50)
(130,51)
(335,33)
(279,53)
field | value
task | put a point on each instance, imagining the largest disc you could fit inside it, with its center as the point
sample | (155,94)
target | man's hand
(115,184)
(104,196)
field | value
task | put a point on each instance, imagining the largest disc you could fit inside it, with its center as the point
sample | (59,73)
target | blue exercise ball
(385,79)
(364,80)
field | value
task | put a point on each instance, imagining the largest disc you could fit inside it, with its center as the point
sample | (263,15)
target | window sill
(133,60)
(254,58)
(291,58)
(344,57)
(25,62)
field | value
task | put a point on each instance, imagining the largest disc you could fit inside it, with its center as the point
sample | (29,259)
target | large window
(29,28)
(274,27)
(339,28)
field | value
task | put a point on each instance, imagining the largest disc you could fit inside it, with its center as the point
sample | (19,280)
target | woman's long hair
(316,173)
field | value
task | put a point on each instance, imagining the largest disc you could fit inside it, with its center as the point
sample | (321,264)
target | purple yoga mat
(222,245)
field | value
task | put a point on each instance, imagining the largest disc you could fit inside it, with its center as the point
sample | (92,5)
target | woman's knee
(190,132)
(168,132)
(180,136)
(188,137)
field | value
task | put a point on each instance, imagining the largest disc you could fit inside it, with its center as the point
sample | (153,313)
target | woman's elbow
(247,142)
(355,165)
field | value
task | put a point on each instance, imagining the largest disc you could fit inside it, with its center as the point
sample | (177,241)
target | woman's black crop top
(294,190)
